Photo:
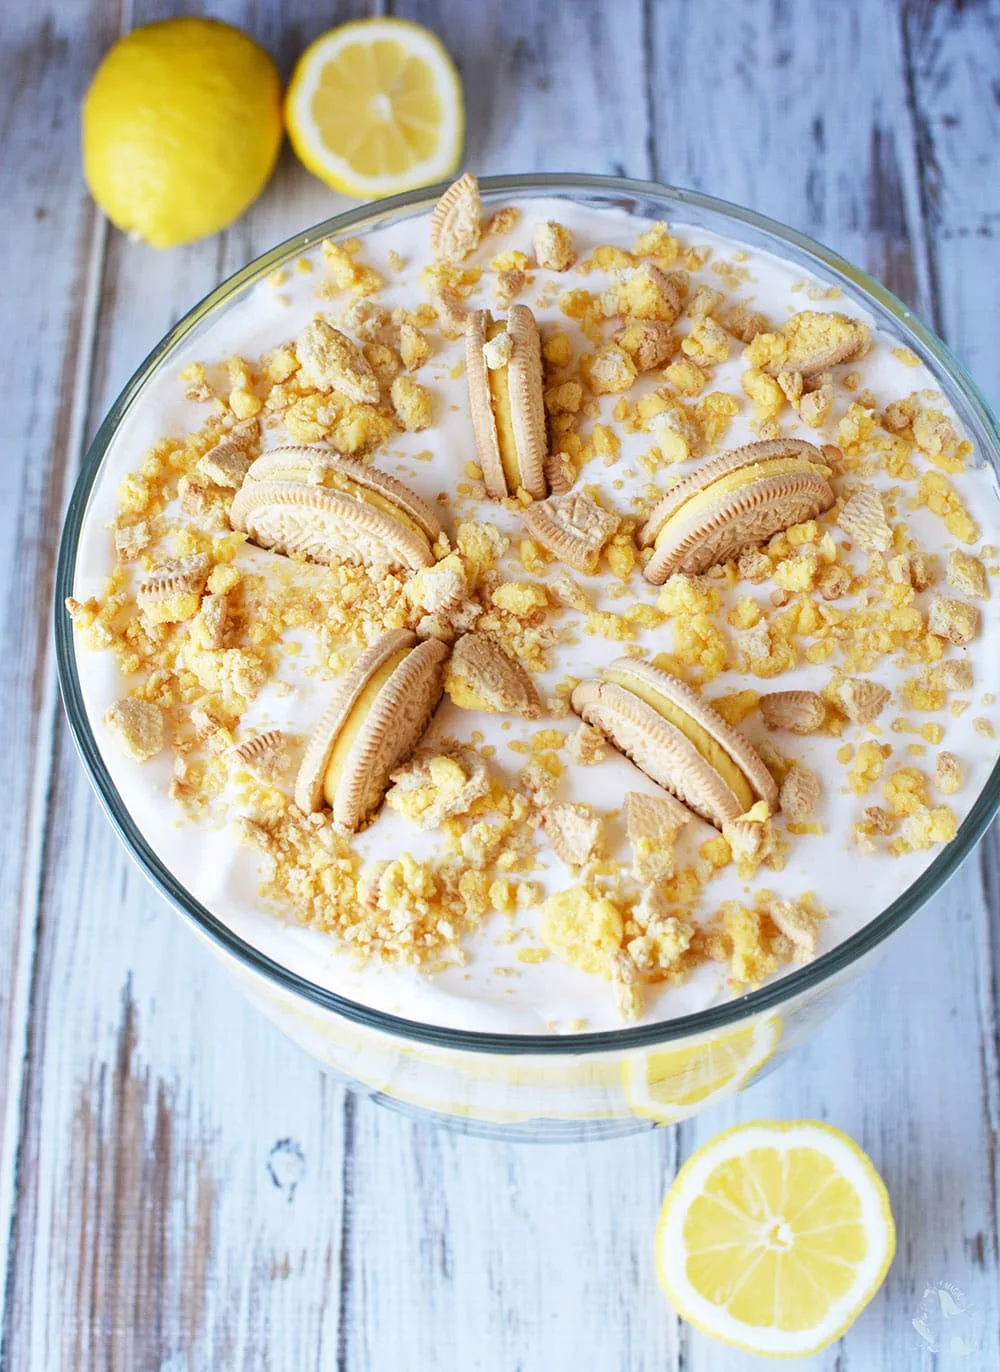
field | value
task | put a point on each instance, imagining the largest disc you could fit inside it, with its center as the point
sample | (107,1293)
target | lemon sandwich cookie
(573,527)
(737,499)
(676,738)
(504,364)
(311,503)
(374,722)
(481,676)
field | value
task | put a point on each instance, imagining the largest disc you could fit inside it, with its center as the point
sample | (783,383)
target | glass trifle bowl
(511,1028)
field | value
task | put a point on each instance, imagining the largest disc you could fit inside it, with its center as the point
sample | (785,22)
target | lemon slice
(375,107)
(775,1236)
(669,1084)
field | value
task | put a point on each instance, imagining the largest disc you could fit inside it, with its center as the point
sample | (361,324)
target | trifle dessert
(542,620)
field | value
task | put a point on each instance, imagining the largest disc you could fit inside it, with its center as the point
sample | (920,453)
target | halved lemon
(775,1236)
(670,1084)
(375,107)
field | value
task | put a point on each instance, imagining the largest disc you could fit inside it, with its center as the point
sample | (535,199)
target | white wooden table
(179,1187)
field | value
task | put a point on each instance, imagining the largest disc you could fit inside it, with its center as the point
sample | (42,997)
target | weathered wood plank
(799,112)
(504,1256)
(548,86)
(954,56)
(52,243)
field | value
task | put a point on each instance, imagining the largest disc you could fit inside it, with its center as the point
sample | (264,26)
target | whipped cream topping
(495,990)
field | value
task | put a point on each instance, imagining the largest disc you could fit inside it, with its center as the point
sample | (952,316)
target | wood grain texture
(953,58)
(183,1189)
(548,86)
(52,287)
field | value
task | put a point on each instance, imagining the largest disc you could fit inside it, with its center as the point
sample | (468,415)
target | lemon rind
(635,1075)
(731,1143)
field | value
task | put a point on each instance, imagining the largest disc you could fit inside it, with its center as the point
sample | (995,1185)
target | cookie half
(481,676)
(676,738)
(573,527)
(372,725)
(506,400)
(335,510)
(318,466)
(732,502)
(456,220)
(813,342)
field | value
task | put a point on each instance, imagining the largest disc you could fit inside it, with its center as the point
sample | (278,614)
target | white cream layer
(494,991)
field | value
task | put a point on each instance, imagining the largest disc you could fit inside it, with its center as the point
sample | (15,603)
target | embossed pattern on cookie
(676,738)
(573,527)
(732,502)
(374,722)
(481,676)
(506,401)
(456,220)
(334,510)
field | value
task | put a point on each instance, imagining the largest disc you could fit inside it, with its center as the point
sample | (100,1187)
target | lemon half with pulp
(774,1237)
(375,107)
(670,1084)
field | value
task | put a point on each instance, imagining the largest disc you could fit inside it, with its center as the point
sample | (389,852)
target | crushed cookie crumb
(799,794)
(412,404)
(437,784)
(967,574)
(863,520)
(861,700)
(138,727)
(575,832)
(553,245)
(948,773)
(955,620)
(331,362)
(801,712)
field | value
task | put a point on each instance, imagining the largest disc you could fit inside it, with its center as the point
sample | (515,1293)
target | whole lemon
(181,128)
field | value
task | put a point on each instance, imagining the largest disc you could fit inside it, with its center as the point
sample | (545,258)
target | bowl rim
(727,1015)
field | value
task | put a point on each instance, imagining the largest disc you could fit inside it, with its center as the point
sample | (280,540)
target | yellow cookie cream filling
(353,724)
(713,753)
(734,481)
(499,384)
(338,482)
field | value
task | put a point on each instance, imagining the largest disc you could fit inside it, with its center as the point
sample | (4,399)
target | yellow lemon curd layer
(499,384)
(337,481)
(700,500)
(713,753)
(352,725)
